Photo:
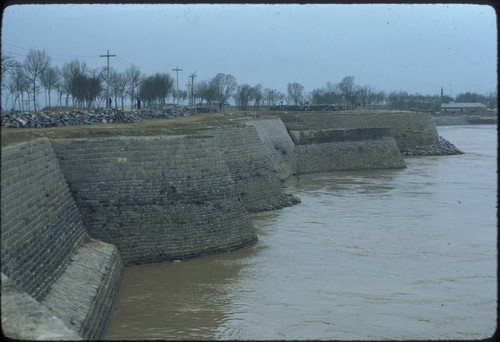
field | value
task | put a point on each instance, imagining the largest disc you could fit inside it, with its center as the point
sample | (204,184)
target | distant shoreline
(465,120)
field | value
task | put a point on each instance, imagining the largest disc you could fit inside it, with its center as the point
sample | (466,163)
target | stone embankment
(347,149)
(277,143)
(46,251)
(250,165)
(408,128)
(156,198)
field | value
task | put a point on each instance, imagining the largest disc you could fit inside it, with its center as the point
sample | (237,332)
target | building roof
(463,105)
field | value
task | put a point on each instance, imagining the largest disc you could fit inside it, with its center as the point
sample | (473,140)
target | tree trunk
(34,95)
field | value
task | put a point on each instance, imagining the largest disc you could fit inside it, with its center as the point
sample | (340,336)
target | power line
(52,53)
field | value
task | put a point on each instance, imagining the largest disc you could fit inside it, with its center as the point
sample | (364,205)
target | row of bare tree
(85,86)
(93,87)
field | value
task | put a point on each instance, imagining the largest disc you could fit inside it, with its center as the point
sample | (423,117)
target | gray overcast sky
(417,48)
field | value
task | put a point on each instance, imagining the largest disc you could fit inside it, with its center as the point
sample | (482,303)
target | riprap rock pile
(48,119)
(443,147)
(15,119)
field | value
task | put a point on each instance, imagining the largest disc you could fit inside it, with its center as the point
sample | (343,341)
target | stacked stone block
(277,143)
(409,128)
(335,150)
(42,240)
(156,198)
(94,263)
(256,179)
(41,225)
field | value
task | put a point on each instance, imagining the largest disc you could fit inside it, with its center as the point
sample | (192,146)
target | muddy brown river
(389,254)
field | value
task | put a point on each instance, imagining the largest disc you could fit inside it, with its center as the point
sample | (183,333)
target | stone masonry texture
(356,149)
(75,211)
(256,179)
(409,128)
(42,241)
(277,143)
(156,198)
(41,225)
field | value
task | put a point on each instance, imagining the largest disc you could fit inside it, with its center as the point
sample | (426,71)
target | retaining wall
(409,128)
(257,181)
(277,143)
(335,150)
(156,198)
(43,236)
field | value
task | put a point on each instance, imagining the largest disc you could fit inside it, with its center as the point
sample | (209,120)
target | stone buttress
(44,244)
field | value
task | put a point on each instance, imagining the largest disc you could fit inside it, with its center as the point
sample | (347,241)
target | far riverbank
(465,120)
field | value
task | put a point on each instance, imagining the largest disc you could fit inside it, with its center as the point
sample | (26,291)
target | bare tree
(270,96)
(243,95)
(50,78)
(155,89)
(206,90)
(182,95)
(35,65)
(8,64)
(133,79)
(348,90)
(325,95)
(11,88)
(117,83)
(224,86)
(21,84)
(86,88)
(295,91)
(257,95)
(69,73)
(94,86)
(362,94)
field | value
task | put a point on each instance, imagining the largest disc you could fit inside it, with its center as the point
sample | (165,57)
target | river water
(390,254)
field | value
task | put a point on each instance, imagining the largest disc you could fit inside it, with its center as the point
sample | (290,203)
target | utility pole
(107,78)
(193,75)
(177,78)
(189,88)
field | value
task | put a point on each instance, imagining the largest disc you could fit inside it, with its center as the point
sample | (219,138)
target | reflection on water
(393,254)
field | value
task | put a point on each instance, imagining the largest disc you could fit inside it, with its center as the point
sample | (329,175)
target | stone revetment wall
(250,165)
(75,212)
(277,143)
(156,198)
(408,128)
(348,149)
(44,243)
